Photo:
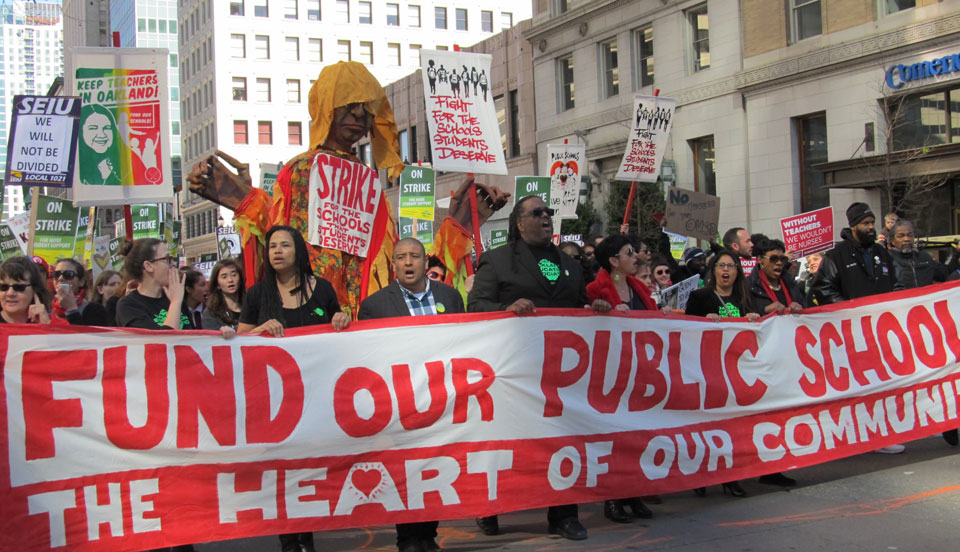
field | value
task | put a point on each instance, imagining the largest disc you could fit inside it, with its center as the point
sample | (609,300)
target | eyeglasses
(778,259)
(67,274)
(726,266)
(168,259)
(19,288)
(540,211)
(662,272)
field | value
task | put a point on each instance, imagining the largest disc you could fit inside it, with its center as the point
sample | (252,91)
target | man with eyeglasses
(529,273)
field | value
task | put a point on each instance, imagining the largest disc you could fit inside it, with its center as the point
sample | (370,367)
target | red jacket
(603,288)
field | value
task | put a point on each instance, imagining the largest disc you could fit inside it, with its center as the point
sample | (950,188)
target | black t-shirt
(136,310)
(90,314)
(705,301)
(319,308)
(548,261)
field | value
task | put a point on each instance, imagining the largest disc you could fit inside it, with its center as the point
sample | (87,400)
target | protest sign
(100,260)
(461,115)
(693,214)
(417,191)
(116,259)
(9,244)
(532,185)
(146,221)
(676,295)
(205,265)
(424,230)
(56,228)
(810,232)
(20,226)
(575,238)
(228,243)
(171,235)
(119,440)
(343,204)
(677,244)
(748,265)
(124,147)
(648,138)
(566,161)
(498,238)
(268,176)
(42,147)
(83,228)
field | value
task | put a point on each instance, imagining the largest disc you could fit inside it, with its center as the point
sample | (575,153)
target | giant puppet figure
(346,104)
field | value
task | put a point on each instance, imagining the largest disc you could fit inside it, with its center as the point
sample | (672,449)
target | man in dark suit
(412,294)
(527,273)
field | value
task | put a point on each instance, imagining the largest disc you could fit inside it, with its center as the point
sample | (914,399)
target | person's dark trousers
(556,514)
(408,533)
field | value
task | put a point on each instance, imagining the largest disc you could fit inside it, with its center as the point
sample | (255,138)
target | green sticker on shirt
(318,311)
(549,270)
(161,317)
(729,310)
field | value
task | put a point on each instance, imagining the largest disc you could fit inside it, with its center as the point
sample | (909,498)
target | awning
(868,172)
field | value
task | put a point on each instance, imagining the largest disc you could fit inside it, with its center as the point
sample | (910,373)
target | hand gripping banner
(127,440)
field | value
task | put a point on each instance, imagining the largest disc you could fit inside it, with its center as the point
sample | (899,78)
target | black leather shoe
(430,545)
(777,479)
(700,491)
(613,510)
(569,528)
(489,525)
(734,488)
(951,437)
(639,508)
(296,542)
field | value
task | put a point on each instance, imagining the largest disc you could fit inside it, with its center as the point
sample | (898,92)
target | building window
(440,18)
(704,165)
(261,44)
(415,55)
(514,105)
(413,145)
(393,53)
(265,132)
(565,81)
(261,8)
(506,20)
(239,89)
(343,11)
(142,25)
(366,52)
(263,90)
(293,90)
(290,9)
(403,138)
(292,44)
(313,10)
(500,105)
(700,37)
(413,15)
(560,6)
(314,49)
(811,150)
(486,21)
(644,45)
(238,45)
(175,128)
(294,133)
(610,69)
(393,15)
(173,60)
(366,13)
(925,120)
(805,19)
(240,132)
(461,19)
(893,6)
(343,50)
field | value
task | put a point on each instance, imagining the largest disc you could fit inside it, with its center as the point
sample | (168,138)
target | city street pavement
(869,502)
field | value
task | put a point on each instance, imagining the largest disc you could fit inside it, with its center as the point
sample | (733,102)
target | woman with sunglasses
(225,299)
(157,302)
(24,296)
(662,278)
(771,290)
(71,290)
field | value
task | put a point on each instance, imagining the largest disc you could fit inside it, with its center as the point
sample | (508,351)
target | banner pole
(625,226)
(475,216)
(34,200)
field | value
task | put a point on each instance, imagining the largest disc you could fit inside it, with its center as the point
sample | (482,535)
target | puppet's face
(351,122)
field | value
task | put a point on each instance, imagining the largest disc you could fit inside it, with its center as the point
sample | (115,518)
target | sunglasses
(67,274)
(662,272)
(778,259)
(19,288)
(435,276)
(168,259)
(540,211)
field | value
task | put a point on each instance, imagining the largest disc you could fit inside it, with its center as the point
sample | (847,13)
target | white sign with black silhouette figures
(652,121)
(565,162)
(464,132)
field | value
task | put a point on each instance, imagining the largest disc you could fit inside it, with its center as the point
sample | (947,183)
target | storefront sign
(899,74)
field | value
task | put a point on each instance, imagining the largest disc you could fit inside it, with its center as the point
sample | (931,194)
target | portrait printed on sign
(123,151)
(566,163)
(464,130)
(648,139)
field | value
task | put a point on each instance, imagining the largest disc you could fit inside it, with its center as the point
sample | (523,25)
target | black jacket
(510,272)
(758,295)
(389,302)
(843,273)
(917,269)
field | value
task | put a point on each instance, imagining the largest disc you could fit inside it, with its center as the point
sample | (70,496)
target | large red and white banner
(126,440)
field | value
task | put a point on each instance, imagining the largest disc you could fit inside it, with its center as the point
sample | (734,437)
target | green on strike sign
(533,185)
(497,238)
(116,259)
(424,231)
(9,245)
(56,228)
(417,193)
(171,235)
(146,221)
